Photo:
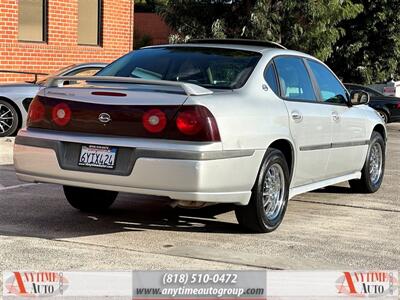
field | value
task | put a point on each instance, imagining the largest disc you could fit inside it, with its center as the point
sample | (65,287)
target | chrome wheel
(273,191)
(6,118)
(376,163)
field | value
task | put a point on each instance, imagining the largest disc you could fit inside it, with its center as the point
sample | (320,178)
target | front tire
(9,119)
(89,200)
(270,194)
(374,167)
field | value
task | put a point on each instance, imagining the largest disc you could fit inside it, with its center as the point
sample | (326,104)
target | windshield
(207,67)
(56,73)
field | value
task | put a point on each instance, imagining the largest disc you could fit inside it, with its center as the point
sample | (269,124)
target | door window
(331,89)
(270,78)
(294,79)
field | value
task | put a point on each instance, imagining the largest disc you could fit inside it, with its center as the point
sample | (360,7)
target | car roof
(247,42)
(254,46)
(211,45)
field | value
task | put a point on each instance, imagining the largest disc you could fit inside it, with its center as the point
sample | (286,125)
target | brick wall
(152,25)
(61,48)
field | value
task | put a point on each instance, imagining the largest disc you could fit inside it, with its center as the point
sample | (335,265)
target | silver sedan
(16,97)
(223,121)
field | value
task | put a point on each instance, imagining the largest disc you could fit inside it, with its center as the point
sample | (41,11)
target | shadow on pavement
(42,211)
(334,190)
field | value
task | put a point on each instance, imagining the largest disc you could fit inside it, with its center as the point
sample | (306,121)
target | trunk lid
(138,109)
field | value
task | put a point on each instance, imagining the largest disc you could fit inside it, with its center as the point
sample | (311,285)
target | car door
(349,140)
(310,122)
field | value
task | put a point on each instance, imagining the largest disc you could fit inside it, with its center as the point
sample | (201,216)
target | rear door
(310,122)
(349,140)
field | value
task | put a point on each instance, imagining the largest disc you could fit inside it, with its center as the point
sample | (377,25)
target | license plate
(98,157)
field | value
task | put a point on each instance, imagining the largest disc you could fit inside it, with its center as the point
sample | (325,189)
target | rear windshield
(207,67)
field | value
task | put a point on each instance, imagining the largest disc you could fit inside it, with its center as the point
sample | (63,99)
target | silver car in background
(16,97)
(242,122)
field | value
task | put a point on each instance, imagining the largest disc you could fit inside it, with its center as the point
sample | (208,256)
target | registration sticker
(98,156)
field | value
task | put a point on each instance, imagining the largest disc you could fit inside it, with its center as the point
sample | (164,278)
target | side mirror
(359,97)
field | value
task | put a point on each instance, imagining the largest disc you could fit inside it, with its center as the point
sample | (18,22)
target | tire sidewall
(375,138)
(384,116)
(272,157)
(14,126)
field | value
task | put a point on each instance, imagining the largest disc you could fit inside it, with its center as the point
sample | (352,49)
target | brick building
(151,25)
(45,35)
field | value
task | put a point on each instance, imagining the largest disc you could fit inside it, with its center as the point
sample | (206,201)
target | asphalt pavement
(331,228)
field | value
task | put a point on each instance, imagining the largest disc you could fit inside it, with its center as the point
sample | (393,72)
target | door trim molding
(334,145)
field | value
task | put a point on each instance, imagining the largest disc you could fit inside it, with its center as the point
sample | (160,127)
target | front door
(349,142)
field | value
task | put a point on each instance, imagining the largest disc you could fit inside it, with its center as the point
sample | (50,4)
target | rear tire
(9,119)
(270,194)
(89,200)
(374,167)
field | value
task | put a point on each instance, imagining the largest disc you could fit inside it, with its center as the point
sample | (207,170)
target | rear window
(207,67)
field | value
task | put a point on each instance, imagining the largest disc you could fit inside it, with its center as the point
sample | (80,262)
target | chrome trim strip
(350,144)
(148,153)
(316,147)
(334,145)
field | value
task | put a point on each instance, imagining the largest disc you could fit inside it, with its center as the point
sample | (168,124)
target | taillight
(189,122)
(197,123)
(61,114)
(154,120)
(36,111)
(398,105)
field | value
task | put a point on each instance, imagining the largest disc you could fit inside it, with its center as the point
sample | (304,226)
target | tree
(370,51)
(305,25)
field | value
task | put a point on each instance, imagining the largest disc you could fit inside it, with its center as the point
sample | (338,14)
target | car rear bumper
(184,173)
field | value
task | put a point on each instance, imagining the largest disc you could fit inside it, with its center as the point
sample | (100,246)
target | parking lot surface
(328,229)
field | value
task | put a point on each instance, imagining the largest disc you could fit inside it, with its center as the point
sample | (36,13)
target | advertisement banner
(151,285)
(199,285)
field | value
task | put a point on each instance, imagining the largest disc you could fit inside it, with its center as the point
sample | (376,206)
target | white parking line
(2,188)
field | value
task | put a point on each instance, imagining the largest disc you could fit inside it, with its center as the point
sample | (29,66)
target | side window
(270,78)
(294,79)
(331,89)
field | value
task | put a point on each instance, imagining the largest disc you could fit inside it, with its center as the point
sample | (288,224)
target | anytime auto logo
(36,284)
(367,284)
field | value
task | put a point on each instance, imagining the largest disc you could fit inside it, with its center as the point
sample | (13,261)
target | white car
(243,122)
(16,97)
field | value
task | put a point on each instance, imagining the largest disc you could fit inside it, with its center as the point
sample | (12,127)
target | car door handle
(296,116)
(335,116)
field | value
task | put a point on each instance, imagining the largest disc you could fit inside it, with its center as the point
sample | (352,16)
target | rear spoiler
(189,88)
